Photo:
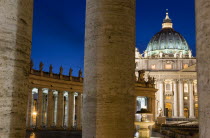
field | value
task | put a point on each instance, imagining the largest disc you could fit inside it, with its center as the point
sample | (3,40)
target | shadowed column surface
(108,100)
(15,49)
(203,64)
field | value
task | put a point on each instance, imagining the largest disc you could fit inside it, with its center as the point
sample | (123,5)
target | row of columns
(178,100)
(53,111)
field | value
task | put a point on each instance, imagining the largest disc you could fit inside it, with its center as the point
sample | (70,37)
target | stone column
(153,107)
(55,109)
(40,108)
(60,110)
(161,92)
(191,100)
(50,108)
(181,99)
(175,115)
(203,65)
(108,105)
(78,113)
(15,49)
(29,108)
(71,109)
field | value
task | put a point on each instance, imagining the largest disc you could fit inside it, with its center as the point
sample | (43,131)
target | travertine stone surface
(15,47)
(50,108)
(71,110)
(181,99)
(79,107)
(203,64)
(29,108)
(108,105)
(60,110)
(40,108)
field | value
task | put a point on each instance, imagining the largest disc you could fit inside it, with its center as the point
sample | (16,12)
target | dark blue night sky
(58,29)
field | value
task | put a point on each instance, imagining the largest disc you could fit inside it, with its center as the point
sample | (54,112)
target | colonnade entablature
(60,75)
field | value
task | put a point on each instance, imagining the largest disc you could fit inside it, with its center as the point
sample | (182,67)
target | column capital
(190,81)
(175,80)
(181,80)
(160,80)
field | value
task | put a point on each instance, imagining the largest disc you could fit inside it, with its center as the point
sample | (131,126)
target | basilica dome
(168,43)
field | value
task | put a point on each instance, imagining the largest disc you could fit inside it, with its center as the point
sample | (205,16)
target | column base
(181,117)
(193,117)
(175,117)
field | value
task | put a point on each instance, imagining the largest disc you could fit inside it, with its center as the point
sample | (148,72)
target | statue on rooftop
(161,54)
(141,76)
(61,70)
(80,73)
(70,71)
(145,54)
(181,55)
(190,53)
(41,65)
(175,54)
(51,68)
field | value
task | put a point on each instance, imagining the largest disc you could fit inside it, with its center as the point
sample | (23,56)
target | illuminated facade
(169,60)
(55,100)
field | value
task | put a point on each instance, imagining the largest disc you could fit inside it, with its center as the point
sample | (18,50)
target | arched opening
(186,112)
(168,110)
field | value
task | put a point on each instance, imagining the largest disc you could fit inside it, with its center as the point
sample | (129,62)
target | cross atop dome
(167,22)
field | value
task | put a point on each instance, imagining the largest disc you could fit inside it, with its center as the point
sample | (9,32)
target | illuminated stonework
(168,43)
(168,58)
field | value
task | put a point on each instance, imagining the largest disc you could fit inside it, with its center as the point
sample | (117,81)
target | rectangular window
(186,98)
(186,87)
(153,67)
(168,87)
(185,66)
(168,66)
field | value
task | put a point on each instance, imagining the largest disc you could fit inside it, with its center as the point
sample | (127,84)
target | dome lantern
(167,22)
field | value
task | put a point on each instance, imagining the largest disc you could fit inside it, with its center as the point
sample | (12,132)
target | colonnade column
(191,99)
(108,105)
(15,43)
(50,108)
(29,108)
(79,105)
(203,64)
(181,99)
(60,110)
(161,94)
(40,107)
(71,109)
(175,115)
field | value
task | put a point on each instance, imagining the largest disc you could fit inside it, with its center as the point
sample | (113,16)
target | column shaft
(108,105)
(50,109)
(191,100)
(161,92)
(181,99)
(40,108)
(29,108)
(60,110)
(71,109)
(78,114)
(175,115)
(15,49)
(203,64)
